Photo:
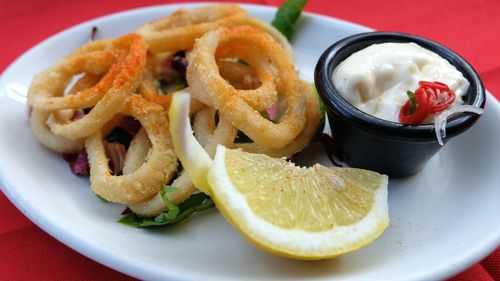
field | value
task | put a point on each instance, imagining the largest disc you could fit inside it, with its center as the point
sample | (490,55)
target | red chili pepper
(431,98)
(434,85)
(421,111)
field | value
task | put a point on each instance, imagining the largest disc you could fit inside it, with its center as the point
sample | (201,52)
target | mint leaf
(286,16)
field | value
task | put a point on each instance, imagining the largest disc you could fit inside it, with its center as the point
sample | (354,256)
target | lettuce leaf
(175,213)
(286,16)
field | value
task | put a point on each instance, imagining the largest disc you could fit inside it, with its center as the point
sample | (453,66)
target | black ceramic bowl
(365,141)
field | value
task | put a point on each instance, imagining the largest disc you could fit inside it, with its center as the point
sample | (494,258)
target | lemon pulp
(304,213)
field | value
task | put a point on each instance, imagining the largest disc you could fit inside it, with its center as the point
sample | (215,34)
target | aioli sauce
(376,78)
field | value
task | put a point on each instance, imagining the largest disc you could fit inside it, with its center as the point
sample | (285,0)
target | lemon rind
(294,243)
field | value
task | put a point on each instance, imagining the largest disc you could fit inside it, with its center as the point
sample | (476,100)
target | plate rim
(106,257)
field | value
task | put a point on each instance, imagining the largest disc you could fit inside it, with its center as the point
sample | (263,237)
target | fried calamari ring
(137,152)
(206,84)
(41,130)
(179,30)
(152,175)
(96,58)
(203,121)
(149,91)
(131,70)
(204,125)
(51,141)
(209,135)
(47,89)
(259,98)
(313,118)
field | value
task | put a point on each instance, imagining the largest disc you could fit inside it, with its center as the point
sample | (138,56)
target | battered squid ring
(148,90)
(137,154)
(96,57)
(151,176)
(179,30)
(261,97)
(131,70)
(204,124)
(313,119)
(205,82)
(41,130)
(47,89)
(209,135)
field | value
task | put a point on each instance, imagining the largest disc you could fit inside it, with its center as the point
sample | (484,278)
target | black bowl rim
(425,132)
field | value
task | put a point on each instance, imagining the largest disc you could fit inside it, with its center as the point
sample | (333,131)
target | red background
(471,28)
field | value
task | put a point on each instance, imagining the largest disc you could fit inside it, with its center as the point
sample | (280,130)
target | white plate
(443,220)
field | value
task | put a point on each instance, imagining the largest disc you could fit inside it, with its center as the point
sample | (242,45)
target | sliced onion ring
(440,120)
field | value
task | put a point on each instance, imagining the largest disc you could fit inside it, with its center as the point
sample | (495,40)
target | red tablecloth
(469,27)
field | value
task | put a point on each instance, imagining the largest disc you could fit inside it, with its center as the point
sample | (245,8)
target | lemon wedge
(195,160)
(296,212)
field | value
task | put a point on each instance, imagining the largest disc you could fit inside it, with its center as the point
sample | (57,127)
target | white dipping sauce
(375,79)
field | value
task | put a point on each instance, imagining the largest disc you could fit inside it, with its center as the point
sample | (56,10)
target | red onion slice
(78,163)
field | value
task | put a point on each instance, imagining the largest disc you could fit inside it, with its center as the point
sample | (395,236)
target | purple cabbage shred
(175,65)
(78,163)
(130,124)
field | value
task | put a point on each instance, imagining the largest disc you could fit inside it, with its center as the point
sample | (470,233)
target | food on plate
(376,78)
(90,98)
(121,110)
(180,30)
(313,120)
(304,213)
(286,16)
(402,82)
(105,98)
(261,51)
(369,81)
(148,179)
(193,157)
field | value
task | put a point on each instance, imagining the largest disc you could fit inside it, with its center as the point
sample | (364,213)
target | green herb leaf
(286,16)
(169,188)
(172,209)
(195,203)
(413,102)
